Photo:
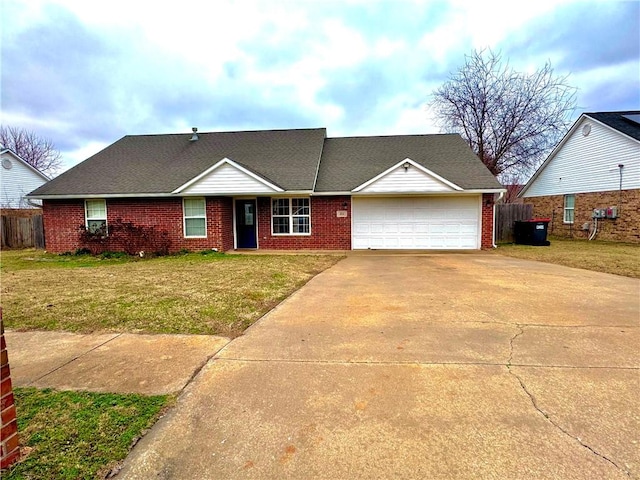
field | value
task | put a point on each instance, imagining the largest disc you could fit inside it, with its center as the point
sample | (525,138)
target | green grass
(600,256)
(79,435)
(190,294)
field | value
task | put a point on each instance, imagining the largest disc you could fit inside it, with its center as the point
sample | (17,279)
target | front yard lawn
(600,256)
(71,435)
(195,293)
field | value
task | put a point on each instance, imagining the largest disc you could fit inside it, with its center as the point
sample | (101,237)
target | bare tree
(510,119)
(37,151)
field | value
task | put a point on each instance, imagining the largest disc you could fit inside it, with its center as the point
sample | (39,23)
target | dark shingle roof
(619,121)
(349,162)
(159,164)
(148,164)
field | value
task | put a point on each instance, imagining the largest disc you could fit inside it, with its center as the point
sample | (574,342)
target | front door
(246,224)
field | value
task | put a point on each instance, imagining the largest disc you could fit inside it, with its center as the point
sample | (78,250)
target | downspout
(493,240)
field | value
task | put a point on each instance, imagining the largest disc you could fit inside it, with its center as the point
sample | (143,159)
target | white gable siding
(590,164)
(411,180)
(227,179)
(17,182)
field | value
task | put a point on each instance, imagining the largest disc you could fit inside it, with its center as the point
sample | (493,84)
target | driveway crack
(532,398)
(511,340)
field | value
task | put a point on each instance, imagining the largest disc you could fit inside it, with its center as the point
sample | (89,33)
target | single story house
(17,179)
(590,183)
(279,189)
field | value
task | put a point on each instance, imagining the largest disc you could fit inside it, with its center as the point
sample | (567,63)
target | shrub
(125,237)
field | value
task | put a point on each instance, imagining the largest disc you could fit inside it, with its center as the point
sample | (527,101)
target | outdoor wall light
(406,166)
(344,205)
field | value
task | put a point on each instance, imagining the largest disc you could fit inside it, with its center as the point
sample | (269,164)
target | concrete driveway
(423,366)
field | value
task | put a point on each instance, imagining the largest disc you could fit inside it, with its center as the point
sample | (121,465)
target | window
(195,217)
(95,213)
(569,207)
(290,216)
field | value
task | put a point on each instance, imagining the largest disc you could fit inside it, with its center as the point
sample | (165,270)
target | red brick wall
(63,218)
(9,445)
(487,221)
(328,232)
(625,228)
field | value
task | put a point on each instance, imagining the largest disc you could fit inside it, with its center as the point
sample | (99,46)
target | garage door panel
(416,222)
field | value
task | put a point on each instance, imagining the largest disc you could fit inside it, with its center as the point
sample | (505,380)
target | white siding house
(17,179)
(589,186)
(587,160)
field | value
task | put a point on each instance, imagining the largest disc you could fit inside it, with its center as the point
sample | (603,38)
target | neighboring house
(280,189)
(17,179)
(595,166)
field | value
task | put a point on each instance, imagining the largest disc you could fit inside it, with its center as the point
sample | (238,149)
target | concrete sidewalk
(118,363)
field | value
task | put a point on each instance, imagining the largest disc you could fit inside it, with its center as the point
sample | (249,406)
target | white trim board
(413,179)
(227,177)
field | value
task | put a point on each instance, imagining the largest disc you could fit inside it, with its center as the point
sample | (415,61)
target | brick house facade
(624,228)
(275,190)
(65,218)
(595,166)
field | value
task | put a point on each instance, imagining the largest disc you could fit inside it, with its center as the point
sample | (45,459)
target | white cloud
(72,157)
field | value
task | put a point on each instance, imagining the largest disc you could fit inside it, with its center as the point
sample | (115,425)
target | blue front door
(246,224)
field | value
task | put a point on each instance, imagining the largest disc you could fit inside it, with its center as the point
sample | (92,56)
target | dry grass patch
(194,294)
(608,257)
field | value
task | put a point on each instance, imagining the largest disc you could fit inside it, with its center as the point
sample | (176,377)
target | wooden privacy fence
(506,215)
(22,232)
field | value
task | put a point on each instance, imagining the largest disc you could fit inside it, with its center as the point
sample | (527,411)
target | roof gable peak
(227,176)
(407,176)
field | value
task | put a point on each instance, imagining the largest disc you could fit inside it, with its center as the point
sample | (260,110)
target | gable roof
(351,161)
(302,160)
(624,122)
(24,162)
(160,164)
(619,121)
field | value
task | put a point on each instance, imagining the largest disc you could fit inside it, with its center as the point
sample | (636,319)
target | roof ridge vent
(194,137)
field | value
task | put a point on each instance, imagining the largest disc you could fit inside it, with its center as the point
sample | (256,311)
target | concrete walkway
(443,366)
(118,363)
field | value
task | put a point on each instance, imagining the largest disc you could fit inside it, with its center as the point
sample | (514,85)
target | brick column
(9,447)
(487,221)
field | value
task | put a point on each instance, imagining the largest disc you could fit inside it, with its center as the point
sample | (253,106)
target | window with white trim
(195,217)
(95,214)
(290,216)
(569,208)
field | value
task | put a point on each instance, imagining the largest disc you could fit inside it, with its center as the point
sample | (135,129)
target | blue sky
(86,73)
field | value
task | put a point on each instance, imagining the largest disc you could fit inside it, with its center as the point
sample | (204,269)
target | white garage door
(416,223)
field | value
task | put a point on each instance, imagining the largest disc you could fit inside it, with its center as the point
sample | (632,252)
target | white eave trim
(282,193)
(416,165)
(100,195)
(455,193)
(228,161)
